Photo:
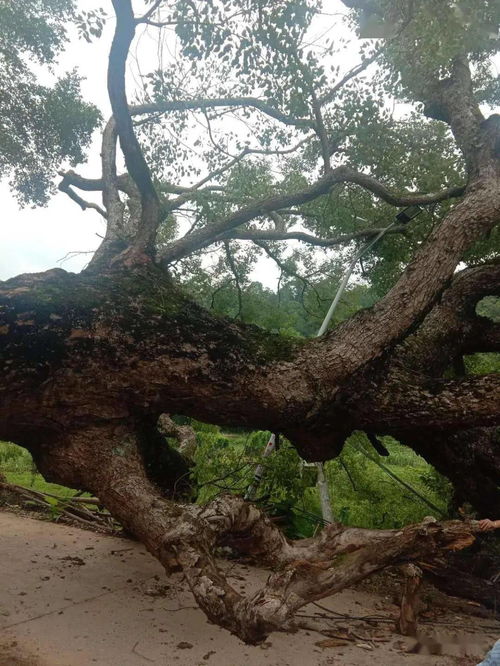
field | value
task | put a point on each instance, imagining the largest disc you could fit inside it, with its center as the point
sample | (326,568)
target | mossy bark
(90,361)
(125,346)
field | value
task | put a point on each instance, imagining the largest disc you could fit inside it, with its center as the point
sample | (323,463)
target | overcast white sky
(33,240)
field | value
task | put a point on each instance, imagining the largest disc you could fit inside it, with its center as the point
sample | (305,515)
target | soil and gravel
(72,597)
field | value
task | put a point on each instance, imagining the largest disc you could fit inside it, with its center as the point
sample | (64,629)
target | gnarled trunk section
(107,461)
(90,362)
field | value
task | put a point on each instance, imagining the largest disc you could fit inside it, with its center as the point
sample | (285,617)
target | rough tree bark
(89,362)
(185,535)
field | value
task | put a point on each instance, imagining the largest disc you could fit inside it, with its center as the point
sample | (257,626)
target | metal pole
(323,489)
(324,494)
(347,275)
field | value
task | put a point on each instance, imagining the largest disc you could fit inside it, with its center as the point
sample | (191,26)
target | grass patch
(37,482)
(17,465)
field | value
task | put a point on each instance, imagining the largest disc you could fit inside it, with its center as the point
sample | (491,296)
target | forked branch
(186,536)
(65,186)
(214,232)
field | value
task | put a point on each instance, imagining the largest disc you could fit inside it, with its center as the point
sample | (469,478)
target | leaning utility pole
(324,491)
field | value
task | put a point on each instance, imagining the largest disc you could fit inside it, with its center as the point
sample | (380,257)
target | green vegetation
(17,465)
(41,125)
(362,494)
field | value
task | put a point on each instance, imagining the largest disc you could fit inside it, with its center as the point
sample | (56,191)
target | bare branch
(287,270)
(351,74)
(188,192)
(145,18)
(203,104)
(65,187)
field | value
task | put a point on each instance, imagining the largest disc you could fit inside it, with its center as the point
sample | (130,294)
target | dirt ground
(70,597)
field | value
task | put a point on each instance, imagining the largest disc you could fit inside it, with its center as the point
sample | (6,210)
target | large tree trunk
(80,350)
(90,362)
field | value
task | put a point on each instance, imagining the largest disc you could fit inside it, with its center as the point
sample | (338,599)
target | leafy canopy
(41,125)
(288,54)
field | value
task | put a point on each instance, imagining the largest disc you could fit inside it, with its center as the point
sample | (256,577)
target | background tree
(41,126)
(287,149)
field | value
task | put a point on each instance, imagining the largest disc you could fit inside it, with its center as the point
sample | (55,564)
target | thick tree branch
(452,101)
(214,232)
(326,148)
(110,195)
(230,102)
(265,235)
(125,184)
(452,327)
(437,404)
(134,158)
(82,183)
(470,458)
(417,365)
(186,535)
(406,304)
(64,186)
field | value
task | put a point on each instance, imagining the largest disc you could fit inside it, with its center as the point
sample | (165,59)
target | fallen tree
(91,361)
